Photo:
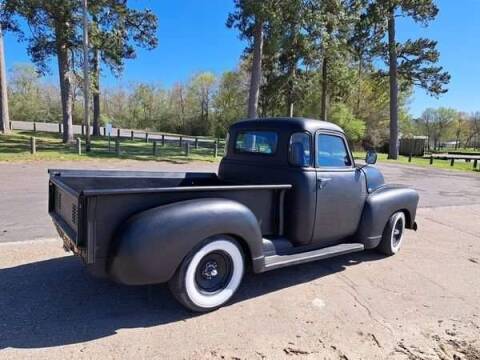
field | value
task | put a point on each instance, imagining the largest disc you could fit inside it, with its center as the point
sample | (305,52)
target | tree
(230,99)
(55,30)
(443,120)
(417,57)
(251,17)
(426,123)
(115,32)
(24,93)
(4,114)
(341,115)
(201,90)
(328,27)
(53,33)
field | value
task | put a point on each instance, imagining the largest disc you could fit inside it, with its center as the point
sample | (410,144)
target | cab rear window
(256,142)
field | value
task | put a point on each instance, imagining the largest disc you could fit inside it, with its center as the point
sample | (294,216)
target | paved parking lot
(23,194)
(421,304)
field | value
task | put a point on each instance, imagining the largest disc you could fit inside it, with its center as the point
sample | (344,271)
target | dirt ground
(423,303)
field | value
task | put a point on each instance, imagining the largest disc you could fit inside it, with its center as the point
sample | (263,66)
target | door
(341,189)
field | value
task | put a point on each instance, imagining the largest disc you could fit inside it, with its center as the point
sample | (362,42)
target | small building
(413,145)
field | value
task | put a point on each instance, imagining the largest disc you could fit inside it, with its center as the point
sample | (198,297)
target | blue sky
(193,37)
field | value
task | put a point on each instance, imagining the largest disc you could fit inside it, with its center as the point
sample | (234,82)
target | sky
(193,37)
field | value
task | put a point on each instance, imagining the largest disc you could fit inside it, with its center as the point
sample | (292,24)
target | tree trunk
(256,74)
(65,77)
(323,105)
(96,92)
(392,62)
(4,115)
(359,95)
(291,90)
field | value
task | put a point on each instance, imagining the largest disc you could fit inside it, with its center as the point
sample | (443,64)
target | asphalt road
(23,193)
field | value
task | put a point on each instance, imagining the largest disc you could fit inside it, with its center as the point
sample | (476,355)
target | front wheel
(209,276)
(393,234)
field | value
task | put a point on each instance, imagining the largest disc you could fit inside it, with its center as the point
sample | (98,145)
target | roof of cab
(295,124)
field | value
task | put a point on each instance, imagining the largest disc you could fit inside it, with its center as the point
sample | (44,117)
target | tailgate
(64,206)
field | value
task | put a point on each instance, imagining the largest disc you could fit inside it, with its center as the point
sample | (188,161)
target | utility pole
(4,116)
(86,78)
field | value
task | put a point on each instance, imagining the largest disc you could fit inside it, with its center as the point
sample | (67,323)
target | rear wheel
(209,276)
(392,237)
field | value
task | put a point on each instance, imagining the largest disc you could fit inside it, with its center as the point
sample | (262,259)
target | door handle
(322,182)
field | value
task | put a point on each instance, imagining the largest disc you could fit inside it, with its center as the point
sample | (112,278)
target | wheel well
(408,218)
(246,249)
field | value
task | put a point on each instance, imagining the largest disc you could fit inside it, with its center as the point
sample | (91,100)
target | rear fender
(152,244)
(379,206)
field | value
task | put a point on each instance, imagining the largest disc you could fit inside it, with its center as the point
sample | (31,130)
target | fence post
(146,137)
(163,140)
(59,128)
(431,159)
(180,140)
(104,131)
(154,148)
(196,143)
(475,163)
(79,145)
(83,130)
(118,133)
(117,146)
(34,127)
(452,161)
(131,135)
(187,148)
(33,145)
(215,149)
(10,125)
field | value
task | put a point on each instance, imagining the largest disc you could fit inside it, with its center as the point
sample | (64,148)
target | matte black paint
(137,227)
(150,246)
(380,205)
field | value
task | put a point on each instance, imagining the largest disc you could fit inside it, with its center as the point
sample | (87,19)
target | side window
(299,149)
(256,142)
(332,152)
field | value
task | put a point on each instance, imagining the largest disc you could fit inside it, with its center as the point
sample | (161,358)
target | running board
(278,261)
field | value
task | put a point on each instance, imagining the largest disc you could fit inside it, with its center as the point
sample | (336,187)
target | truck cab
(288,191)
(328,191)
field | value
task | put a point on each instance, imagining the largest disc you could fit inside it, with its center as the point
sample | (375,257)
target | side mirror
(371,157)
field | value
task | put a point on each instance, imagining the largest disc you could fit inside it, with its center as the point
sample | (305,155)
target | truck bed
(88,206)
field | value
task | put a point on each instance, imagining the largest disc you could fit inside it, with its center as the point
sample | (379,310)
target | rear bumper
(67,238)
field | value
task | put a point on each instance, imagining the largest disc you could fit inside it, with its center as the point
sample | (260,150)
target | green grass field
(16,146)
(418,161)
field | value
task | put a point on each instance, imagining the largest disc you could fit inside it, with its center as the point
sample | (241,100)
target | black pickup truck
(288,191)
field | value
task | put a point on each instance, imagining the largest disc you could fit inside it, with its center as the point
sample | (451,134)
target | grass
(424,162)
(16,146)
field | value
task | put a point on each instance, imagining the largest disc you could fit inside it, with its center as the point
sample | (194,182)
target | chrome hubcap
(210,270)
(214,272)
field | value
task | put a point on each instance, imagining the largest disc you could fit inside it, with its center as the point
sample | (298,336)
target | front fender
(379,206)
(152,244)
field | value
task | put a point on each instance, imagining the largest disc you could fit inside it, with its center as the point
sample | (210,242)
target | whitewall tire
(393,234)
(210,275)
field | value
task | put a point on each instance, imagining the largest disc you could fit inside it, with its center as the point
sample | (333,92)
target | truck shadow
(56,302)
